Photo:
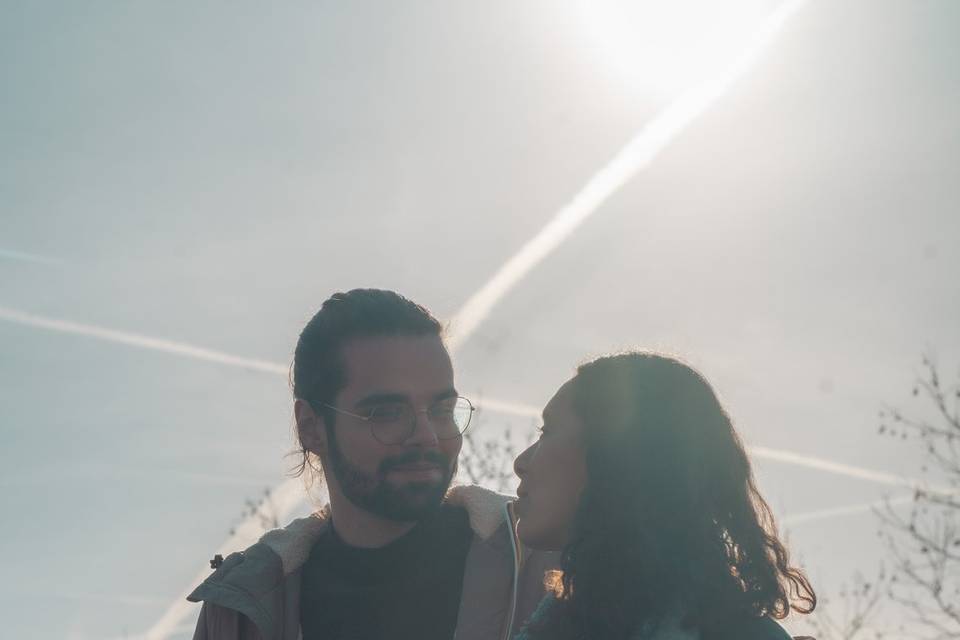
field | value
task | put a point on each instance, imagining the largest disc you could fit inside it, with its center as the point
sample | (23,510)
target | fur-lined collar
(294,542)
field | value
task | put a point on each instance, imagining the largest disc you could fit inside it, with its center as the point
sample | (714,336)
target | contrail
(847,510)
(634,157)
(184,629)
(141,341)
(29,257)
(850,471)
(829,466)
(509,408)
(195,352)
(489,404)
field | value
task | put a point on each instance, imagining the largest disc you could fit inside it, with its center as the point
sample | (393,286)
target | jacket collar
(293,543)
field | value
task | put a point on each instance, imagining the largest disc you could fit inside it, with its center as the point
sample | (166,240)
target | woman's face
(553,473)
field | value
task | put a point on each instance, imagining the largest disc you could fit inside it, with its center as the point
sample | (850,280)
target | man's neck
(360,528)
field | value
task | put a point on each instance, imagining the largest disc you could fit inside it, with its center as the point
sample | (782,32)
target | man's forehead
(397,363)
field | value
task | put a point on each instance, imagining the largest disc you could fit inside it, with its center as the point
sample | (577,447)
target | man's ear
(311,428)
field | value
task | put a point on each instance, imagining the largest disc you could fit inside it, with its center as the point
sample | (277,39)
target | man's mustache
(414,457)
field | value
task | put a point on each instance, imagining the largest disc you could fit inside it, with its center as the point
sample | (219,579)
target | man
(396,553)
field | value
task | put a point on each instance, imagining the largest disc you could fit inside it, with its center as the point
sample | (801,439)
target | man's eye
(441,411)
(387,412)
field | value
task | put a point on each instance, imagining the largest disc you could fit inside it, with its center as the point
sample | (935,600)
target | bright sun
(662,46)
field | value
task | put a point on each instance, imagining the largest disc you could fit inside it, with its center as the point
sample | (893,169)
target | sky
(208,173)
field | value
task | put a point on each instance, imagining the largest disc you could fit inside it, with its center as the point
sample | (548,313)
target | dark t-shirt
(407,589)
(763,628)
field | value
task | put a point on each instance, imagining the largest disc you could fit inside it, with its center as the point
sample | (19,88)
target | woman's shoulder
(762,628)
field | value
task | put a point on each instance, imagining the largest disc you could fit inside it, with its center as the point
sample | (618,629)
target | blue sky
(208,173)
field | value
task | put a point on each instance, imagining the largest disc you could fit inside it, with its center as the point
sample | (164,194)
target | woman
(641,481)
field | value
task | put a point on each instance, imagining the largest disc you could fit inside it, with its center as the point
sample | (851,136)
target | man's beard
(409,502)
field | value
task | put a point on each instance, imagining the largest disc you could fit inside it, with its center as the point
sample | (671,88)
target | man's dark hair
(318,371)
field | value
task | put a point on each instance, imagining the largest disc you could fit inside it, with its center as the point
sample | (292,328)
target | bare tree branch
(925,543)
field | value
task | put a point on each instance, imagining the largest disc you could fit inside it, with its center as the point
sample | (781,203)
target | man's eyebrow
(386,398)
(445,395)
(379,398)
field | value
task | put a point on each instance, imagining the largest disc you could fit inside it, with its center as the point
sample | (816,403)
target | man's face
(403,481)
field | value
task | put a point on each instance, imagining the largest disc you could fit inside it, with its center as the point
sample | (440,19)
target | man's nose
(423,434)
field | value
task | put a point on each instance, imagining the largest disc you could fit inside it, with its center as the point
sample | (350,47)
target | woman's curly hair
(670,521)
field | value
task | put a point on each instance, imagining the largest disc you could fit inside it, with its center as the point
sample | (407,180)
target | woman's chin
(535,538)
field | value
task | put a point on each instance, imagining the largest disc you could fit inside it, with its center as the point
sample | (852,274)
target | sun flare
(663,46)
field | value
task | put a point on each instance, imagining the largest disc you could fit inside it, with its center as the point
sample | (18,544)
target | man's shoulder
(261,566)
(485,508)
(254,570)
(292,543)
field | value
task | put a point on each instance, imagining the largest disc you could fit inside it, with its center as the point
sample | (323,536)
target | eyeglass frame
(413,422)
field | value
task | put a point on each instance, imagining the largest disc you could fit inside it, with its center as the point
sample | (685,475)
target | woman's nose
(520,464)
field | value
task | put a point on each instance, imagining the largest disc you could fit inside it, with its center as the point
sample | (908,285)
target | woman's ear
(310,428)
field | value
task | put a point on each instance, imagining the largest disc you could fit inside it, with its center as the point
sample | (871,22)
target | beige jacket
(255,594)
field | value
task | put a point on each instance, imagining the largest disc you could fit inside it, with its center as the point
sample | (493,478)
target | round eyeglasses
(395,422)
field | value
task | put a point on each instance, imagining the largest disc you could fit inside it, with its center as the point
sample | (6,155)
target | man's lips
(416,467)
(425,472)
(415,461)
